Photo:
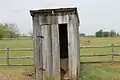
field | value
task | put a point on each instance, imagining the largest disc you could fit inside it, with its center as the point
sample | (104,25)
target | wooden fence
(112,54)
(8,57)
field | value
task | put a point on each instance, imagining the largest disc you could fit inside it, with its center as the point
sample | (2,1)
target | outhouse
(56,43)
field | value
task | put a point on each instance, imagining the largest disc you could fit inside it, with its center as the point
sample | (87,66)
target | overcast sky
(93,14)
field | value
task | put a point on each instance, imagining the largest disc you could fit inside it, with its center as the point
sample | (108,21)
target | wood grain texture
(55,51)
(36,53)
(46,50)
(38,49)
(73,47)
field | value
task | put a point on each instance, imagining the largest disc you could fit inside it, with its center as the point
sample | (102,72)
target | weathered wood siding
(46,50)
(37,48)
(46,42)
(55,51)
(73,47)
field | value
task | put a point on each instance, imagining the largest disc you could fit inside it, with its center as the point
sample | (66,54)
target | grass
(17,61)
(88,71)
(100,72)
(16,73)
(99,42)
(22,43)
(16,43)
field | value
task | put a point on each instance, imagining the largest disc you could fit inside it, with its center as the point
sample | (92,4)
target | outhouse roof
(42,11)
(55,12)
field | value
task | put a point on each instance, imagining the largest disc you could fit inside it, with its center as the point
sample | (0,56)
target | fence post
(112,52)
(7,52)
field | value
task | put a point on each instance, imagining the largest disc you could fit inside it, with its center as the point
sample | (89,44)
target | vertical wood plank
(78,49)
(37,48)
(73,47)
(76,25)
(63,19)
(45,20)
(55,51)
(46,51)
(34,19)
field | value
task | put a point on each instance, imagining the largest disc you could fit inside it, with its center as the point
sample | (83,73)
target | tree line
(102,33)
(9,31)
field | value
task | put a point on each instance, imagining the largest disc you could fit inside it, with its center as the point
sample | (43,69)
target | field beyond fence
(27,60)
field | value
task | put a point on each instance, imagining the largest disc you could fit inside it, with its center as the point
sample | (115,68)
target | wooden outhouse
(56,43)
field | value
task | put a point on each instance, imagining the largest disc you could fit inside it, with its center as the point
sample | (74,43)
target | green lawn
(100,72)
(99,42)
(22,43)
(88,71)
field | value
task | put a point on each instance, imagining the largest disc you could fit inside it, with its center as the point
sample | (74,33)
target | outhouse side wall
(73,47)
(37,61)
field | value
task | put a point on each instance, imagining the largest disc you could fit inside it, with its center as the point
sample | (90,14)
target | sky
(93,14)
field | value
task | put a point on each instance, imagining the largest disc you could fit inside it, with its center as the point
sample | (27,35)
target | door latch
(41,36)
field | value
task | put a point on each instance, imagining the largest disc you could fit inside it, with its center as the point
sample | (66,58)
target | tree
(8,31)
(113,33)
(99,33)
(106,34)
(118,34)
(13,31)
(102,33)
(82,34)
(3,31)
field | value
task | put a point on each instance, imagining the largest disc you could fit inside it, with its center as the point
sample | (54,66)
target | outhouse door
(49,58)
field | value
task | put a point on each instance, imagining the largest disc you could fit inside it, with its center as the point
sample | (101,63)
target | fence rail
(112,54)
(112,45)
(8,57)
(92,55)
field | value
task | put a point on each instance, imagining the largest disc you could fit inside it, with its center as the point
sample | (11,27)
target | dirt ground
(16,75)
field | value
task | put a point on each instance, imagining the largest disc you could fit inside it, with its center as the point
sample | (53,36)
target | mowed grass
(100,72)
(88,71)
(17,61)
(99,42)
(16,72)
(22,43)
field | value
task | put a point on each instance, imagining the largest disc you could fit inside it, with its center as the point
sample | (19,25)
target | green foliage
(102,33)
(99,33)
(8,31)
(82,34)
(105,34)
(113,33)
